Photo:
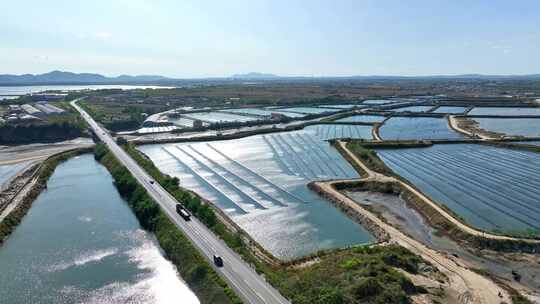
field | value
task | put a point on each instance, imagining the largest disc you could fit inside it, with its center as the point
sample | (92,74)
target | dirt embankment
(14,187)
(471,128)
(465,285)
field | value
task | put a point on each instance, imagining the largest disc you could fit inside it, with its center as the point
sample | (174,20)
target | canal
(80,243)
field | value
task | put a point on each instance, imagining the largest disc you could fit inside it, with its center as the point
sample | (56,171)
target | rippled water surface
(414,109)
(80,243)
(260,182)
(362,118)
(529,127)
(450,110)
(409,128)
(509,111)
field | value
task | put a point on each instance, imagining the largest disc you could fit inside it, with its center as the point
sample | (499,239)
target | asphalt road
(248,285)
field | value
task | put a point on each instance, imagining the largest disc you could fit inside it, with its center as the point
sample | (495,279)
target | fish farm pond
(494,189)
(260,182)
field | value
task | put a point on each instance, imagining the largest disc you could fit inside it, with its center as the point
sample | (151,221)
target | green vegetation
(10,222)
(356,275)
(12,134)
(369,158)
(195,270)
(118,116)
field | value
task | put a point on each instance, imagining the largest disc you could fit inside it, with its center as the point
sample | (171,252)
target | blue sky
(197,38)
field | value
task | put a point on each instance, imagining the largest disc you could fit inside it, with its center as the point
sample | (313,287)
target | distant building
(31,110)
(27,117)
(48,109)
(15,109)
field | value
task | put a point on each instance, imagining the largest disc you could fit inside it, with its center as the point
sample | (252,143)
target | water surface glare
(261,183)
(80,243)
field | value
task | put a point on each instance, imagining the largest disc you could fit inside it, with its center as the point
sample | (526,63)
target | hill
(59,77)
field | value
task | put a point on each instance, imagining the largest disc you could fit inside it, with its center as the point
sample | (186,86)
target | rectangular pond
(182,122)
(377,101)
(251,111)
(508,111)
(450,110)
(530,143)
(410,128)
(340,106)
(288,114)
(529,127)
(216,117)
(260,182)
(308,110)
(494,189)
(413,109)
(362,118)
(328,131)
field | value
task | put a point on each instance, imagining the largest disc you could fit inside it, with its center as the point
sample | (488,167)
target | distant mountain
(59,77)
(66,78)
(255,75)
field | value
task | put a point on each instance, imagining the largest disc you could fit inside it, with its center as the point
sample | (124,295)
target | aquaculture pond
(78,244)
(414,109)
(504,111)
(332,131)
(182,122)
(529,127)
(251,111)
(491,188)
(261,183)
(362,118)
(288,114)
(308,110)
(531,143)
(409,128)
(216,117)
(377,101)
(450,110)
(340,106)
(9,171)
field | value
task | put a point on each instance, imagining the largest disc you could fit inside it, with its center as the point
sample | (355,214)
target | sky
(200,38)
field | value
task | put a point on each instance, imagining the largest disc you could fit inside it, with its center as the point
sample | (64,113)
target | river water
(9,92)
(80,243)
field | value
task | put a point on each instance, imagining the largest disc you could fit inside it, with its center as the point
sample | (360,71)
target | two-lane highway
(251,287)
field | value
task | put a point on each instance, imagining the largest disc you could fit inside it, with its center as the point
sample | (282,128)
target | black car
(218,261)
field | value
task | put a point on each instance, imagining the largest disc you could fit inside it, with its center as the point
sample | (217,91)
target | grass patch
(356,275)
(369,158)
